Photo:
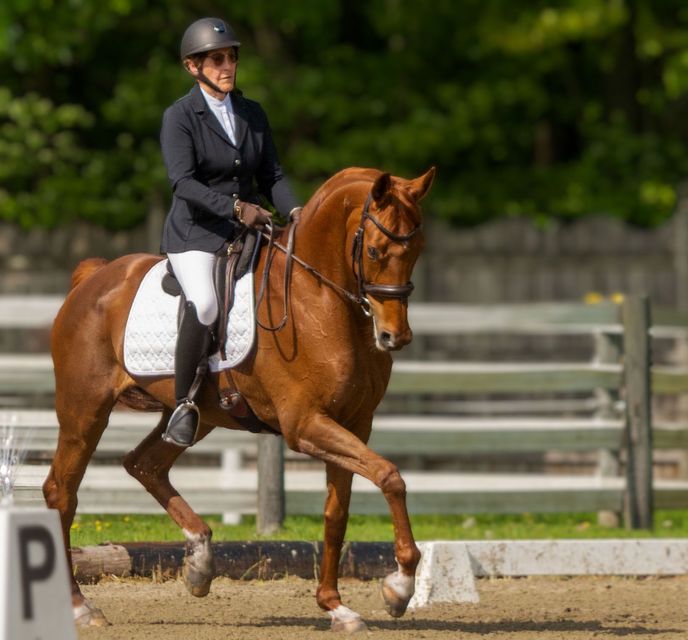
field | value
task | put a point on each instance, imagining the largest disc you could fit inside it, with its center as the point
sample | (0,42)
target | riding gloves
(251,215)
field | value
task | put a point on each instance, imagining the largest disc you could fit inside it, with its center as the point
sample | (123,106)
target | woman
(220,157)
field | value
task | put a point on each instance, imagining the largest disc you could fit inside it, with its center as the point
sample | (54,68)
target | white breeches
(194,271)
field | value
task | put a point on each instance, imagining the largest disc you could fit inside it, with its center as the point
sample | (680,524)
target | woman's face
(219,66)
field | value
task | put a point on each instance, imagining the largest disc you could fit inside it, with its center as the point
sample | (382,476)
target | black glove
(251,215)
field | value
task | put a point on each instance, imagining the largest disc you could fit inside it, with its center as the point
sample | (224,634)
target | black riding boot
(193,340)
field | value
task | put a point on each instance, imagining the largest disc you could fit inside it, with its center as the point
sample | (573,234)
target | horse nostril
(386,339)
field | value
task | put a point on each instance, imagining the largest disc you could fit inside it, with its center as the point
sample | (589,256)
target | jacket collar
(241,117)
(239,106)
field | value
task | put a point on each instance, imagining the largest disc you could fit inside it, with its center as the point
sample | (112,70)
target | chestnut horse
(317,381)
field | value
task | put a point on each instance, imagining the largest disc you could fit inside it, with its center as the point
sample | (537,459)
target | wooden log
(92,562)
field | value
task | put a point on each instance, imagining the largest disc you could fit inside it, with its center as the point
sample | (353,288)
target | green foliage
(535,108)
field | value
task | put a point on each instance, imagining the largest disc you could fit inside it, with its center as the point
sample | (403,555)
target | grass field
(92,529)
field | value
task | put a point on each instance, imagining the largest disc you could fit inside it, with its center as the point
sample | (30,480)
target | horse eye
(372,253)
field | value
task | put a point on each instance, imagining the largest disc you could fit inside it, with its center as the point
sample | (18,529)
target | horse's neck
(326,234)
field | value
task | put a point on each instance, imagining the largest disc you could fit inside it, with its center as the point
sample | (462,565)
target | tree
(528,107)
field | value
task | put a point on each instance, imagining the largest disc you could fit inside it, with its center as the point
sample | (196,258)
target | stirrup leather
(183,424)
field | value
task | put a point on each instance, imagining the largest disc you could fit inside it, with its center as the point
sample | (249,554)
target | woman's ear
(191,67)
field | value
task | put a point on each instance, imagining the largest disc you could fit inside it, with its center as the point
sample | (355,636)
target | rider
(220,156)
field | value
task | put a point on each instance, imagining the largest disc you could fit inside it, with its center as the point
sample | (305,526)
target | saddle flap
(246,261)
(151,330)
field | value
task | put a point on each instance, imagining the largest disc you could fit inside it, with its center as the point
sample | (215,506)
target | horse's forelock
(404,213)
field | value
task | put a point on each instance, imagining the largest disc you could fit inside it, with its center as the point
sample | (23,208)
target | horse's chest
(362,385)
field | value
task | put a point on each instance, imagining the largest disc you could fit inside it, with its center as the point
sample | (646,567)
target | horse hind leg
(150,463)
(82,424)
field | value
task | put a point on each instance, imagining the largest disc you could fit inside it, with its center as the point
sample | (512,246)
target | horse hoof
(344,620)
(396,590)
(197,582)
(348,626)
(199,567)
(86,615)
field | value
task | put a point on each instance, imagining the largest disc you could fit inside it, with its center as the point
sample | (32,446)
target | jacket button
(237,162)
(235,195)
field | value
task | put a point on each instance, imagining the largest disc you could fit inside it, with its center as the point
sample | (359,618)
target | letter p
(30,573)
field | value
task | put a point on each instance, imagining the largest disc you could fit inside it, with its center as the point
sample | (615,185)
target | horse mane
(339,180)
(345,178)
(85,269)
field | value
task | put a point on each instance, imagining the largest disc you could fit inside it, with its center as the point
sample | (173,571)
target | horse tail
(85,268)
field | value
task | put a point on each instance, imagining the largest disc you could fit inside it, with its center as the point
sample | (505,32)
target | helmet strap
(205,79)
(201,76)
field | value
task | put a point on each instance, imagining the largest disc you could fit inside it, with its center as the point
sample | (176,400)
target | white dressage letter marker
(34,588)
(444,575)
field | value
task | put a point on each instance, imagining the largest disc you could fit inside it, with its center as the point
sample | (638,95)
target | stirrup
(183,424)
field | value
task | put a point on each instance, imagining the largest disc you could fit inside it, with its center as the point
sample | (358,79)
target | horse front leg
(327,440)
(336,518)
(150,463)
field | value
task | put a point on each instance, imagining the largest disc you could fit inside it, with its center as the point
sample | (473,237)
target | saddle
(229,267)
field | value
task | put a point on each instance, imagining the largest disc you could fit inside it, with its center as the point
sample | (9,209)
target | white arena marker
(444,574)
(34,590)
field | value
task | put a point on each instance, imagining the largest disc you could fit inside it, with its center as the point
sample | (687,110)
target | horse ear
(420,186)
(381,186)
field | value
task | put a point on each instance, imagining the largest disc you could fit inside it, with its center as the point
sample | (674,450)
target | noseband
(386,291)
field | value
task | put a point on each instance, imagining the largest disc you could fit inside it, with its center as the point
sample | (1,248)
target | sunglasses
(218,58)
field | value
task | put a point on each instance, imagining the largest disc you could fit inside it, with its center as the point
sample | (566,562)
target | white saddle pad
(151,333)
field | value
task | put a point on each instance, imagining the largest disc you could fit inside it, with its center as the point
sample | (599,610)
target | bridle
(387,291)
(399,292)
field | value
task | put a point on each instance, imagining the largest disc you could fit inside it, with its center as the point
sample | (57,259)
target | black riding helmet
(207,34)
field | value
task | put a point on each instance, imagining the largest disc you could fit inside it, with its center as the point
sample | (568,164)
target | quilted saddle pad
(151,333)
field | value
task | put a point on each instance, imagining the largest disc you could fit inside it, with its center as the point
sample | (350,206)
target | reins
(289,252)
(388,291)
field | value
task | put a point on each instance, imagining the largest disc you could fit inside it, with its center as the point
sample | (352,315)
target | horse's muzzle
(391,341)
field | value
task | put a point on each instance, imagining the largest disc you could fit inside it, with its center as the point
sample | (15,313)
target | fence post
(231,464)
(608,348)
(680,245)
(679,232)
(270,517)
(638,507)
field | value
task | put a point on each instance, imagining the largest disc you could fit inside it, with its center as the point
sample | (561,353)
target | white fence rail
(233,489)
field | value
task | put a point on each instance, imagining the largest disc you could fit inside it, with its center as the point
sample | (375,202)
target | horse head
(386,246)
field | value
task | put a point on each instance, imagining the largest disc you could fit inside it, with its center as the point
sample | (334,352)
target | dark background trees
(543,109)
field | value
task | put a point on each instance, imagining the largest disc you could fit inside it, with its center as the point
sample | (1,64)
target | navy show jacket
(208,173)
